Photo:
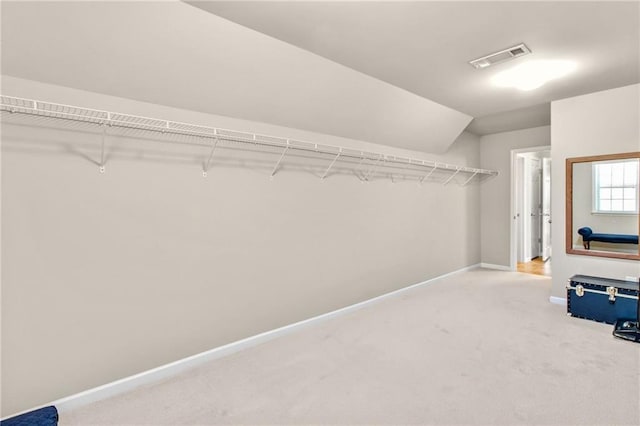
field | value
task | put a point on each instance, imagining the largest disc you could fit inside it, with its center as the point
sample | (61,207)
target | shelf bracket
(208,163)
(104,137)
(331,165)
(275,169)
(469,180)
(356,169)
(453,175)
(425,177)
(366,176)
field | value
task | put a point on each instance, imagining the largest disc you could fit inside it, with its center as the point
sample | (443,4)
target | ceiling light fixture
(533,74)
(501,56)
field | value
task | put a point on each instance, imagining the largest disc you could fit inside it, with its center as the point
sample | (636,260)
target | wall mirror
(602,205)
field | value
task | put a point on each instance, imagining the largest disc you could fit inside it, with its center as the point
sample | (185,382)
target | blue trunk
(602,299)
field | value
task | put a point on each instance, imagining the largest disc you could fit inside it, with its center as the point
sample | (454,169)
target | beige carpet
(481,347)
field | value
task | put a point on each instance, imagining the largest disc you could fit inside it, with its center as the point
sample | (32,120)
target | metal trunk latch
(612,292)
(579,290)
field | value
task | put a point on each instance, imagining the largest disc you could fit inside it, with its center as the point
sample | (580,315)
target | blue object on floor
(602,299)
(47,416)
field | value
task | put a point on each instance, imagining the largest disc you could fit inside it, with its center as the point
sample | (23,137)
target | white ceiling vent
(503,55)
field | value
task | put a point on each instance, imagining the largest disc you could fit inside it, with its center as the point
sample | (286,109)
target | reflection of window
(615,187)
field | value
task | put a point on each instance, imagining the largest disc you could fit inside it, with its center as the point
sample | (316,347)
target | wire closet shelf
(215,134)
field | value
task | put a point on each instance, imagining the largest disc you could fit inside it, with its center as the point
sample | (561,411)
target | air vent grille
(501,56)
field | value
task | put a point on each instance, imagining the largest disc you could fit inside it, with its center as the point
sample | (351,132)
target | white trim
(595,188)
(493,266)
(558,300)
(168,370)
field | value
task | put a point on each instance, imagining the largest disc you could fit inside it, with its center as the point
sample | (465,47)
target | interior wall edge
(558,300)
(495,194)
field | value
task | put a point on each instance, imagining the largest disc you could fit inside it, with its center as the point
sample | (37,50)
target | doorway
(531,210)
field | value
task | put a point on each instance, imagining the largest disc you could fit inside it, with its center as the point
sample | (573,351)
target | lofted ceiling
(173,54)
(394,72)
(424,46)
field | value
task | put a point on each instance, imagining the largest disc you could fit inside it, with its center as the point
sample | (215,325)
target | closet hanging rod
(115,119)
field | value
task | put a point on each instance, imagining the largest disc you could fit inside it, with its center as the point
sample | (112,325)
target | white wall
(605,122)
(495,194)
(106,275)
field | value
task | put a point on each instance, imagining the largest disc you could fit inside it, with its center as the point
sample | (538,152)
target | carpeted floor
(481,347)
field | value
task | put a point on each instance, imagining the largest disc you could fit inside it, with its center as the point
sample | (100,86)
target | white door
(520,210)
(535,213)
(546,208)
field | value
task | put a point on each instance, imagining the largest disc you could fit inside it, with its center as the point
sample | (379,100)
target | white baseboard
(493,266)
(168,370)
(558,300)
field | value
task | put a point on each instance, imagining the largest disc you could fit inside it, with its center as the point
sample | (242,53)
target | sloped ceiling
(424,46)
(173,54)
(522,118)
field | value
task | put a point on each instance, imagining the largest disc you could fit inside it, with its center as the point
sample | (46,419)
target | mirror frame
(569,206)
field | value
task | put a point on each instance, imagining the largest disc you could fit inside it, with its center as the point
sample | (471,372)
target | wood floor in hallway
(536,266)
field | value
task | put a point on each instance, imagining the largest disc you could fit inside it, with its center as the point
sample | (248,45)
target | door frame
(546,249)
(513,248)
